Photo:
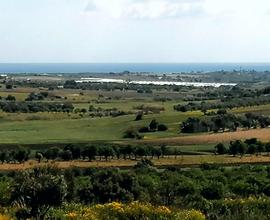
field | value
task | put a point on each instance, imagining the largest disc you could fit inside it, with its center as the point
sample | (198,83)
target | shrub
(132,211)
(220,148)
(132,134)
(162,127)
(144,129)
(139,116)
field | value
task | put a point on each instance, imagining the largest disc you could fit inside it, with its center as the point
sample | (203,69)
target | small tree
(238,147)
(106,151)
(21,155)
(139,116)
(127,150)
(162,127)
(153,125)
(3,156)
(9,86)
(267,148)
(90,152)
(158,152)
(220,148)
(140,151)
(76,151)
(260,147)
(52,153)
(164,150)
(242,148)
(39,156)
(66,155)
(233,148)
(252,149)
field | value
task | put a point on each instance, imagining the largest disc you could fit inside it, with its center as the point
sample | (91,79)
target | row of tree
(71,84)
(238,147)
(224,121)
(88,153)
(32,107)
(227,103)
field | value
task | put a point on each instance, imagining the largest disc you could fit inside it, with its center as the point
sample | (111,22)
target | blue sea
(132,67)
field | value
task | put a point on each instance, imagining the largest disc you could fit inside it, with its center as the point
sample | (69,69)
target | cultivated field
(213,138)
(43,129)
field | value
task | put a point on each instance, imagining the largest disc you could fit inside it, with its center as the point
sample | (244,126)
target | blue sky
(134,31)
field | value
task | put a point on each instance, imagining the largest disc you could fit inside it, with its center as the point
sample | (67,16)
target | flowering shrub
(132,211)
(5,217)
(190,215)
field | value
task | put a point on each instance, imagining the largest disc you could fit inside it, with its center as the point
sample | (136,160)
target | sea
(158,68)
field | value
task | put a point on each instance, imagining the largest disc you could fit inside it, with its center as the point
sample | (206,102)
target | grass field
(56,128)
(81,130)
(260,109)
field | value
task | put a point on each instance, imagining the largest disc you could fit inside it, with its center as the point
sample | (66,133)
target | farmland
(76,127)
(175,150)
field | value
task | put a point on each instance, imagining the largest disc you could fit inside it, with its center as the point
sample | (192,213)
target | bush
(220,148)
(132,134)
(213,191)
(132,211)
(139,116)
(162,127)
(144,129)
(66,155)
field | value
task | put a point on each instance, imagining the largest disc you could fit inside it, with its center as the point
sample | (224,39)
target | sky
(148,31)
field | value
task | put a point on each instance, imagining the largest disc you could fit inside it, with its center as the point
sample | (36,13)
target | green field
(60,128)
(83,130)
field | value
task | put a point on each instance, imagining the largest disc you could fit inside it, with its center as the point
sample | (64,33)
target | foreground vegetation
(215,192)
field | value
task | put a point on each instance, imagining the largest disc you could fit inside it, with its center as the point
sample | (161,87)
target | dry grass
(187,160)
(261,134)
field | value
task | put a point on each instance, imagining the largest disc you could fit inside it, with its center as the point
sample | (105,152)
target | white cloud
(146,9)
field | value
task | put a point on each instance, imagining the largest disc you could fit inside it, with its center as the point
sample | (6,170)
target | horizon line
(241,62)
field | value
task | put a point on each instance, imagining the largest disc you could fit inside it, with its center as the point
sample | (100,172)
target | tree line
(239,147)
(33,107)
(227,103)
(88,153)
(224,121)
